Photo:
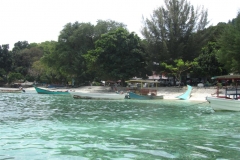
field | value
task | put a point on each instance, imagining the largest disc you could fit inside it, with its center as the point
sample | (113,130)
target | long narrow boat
(186,95)
(11,90)
(218,104)
(48,91)
(144,93)
(96,95)
(231,100)
(132,95)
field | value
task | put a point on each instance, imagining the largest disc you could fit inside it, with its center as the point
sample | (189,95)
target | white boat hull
(218,104)
(91,95)
(10,90)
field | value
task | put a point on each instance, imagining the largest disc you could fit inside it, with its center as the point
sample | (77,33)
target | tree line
(177,38)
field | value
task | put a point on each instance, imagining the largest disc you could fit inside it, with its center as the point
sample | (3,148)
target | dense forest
(177,42)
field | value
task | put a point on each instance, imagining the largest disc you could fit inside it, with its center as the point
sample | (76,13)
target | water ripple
(34,126)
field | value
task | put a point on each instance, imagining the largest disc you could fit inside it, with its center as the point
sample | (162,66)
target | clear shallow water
(34,126)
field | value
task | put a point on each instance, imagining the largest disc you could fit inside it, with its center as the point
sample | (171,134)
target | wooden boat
(48,91)
(231,100)
(143,93)
(96,95)
(186,95)
(132,95)
(11,90)
(224,104)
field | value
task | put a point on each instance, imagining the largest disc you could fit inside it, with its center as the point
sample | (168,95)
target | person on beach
(115,86)
(90,84)
(111,85)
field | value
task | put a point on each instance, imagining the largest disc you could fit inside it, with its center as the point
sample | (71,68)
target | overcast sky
(42,20)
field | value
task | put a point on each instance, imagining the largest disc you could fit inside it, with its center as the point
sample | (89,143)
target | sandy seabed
(197,94)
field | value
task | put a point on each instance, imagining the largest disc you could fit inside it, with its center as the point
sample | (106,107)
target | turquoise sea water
(42,127)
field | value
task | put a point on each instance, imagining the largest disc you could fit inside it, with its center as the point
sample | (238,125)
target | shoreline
(170,93)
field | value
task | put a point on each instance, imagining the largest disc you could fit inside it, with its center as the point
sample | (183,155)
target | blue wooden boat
(132,95)
(143,93)
(46,91)
(187,94)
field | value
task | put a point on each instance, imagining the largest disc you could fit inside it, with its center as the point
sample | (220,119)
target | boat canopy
(226,77)
(141,81)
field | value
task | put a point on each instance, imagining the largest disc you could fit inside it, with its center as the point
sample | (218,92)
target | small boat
(48,91)
(132,95)
(11,90)
(141,93)
(231,100)
(96,95)
(218,104)
(186,95)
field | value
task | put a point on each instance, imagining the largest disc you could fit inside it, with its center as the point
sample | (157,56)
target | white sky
(42,20)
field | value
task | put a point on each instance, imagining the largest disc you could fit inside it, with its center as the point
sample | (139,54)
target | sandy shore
(198,94)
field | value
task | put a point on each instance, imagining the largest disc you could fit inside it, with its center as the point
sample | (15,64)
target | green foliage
(48,47)
(174,36)
(2,75)
(66,57)
(179,67)
(46,69)
(74,41)
(118,55)
(96,83)
(14,76)
(169,31)
(208,64)
(103,27)
(20,45)
(229,53)
(24,59)
(5,58)
(45,79)
(219,85)
(30,78)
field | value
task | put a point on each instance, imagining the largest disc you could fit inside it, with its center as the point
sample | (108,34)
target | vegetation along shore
(178,42)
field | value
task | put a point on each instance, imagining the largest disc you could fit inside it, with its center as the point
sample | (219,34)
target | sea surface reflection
(34,126)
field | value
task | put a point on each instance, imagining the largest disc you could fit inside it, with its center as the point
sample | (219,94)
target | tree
(179,67)
(5,61)
(103,27)
(23,59)
(229,53)
(20,45)
(169,30)
(3,76)
(44,69)
(208,64)
(45,74)
(119,55)
(13,77)
(74,41)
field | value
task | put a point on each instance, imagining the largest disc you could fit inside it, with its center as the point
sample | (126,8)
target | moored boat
(186,95)
(96,95)
(11,90)
(144,93)
(231,100)
(218,104)
(132,95)
(48,91)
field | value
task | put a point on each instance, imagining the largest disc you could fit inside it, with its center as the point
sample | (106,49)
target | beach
(197,94)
